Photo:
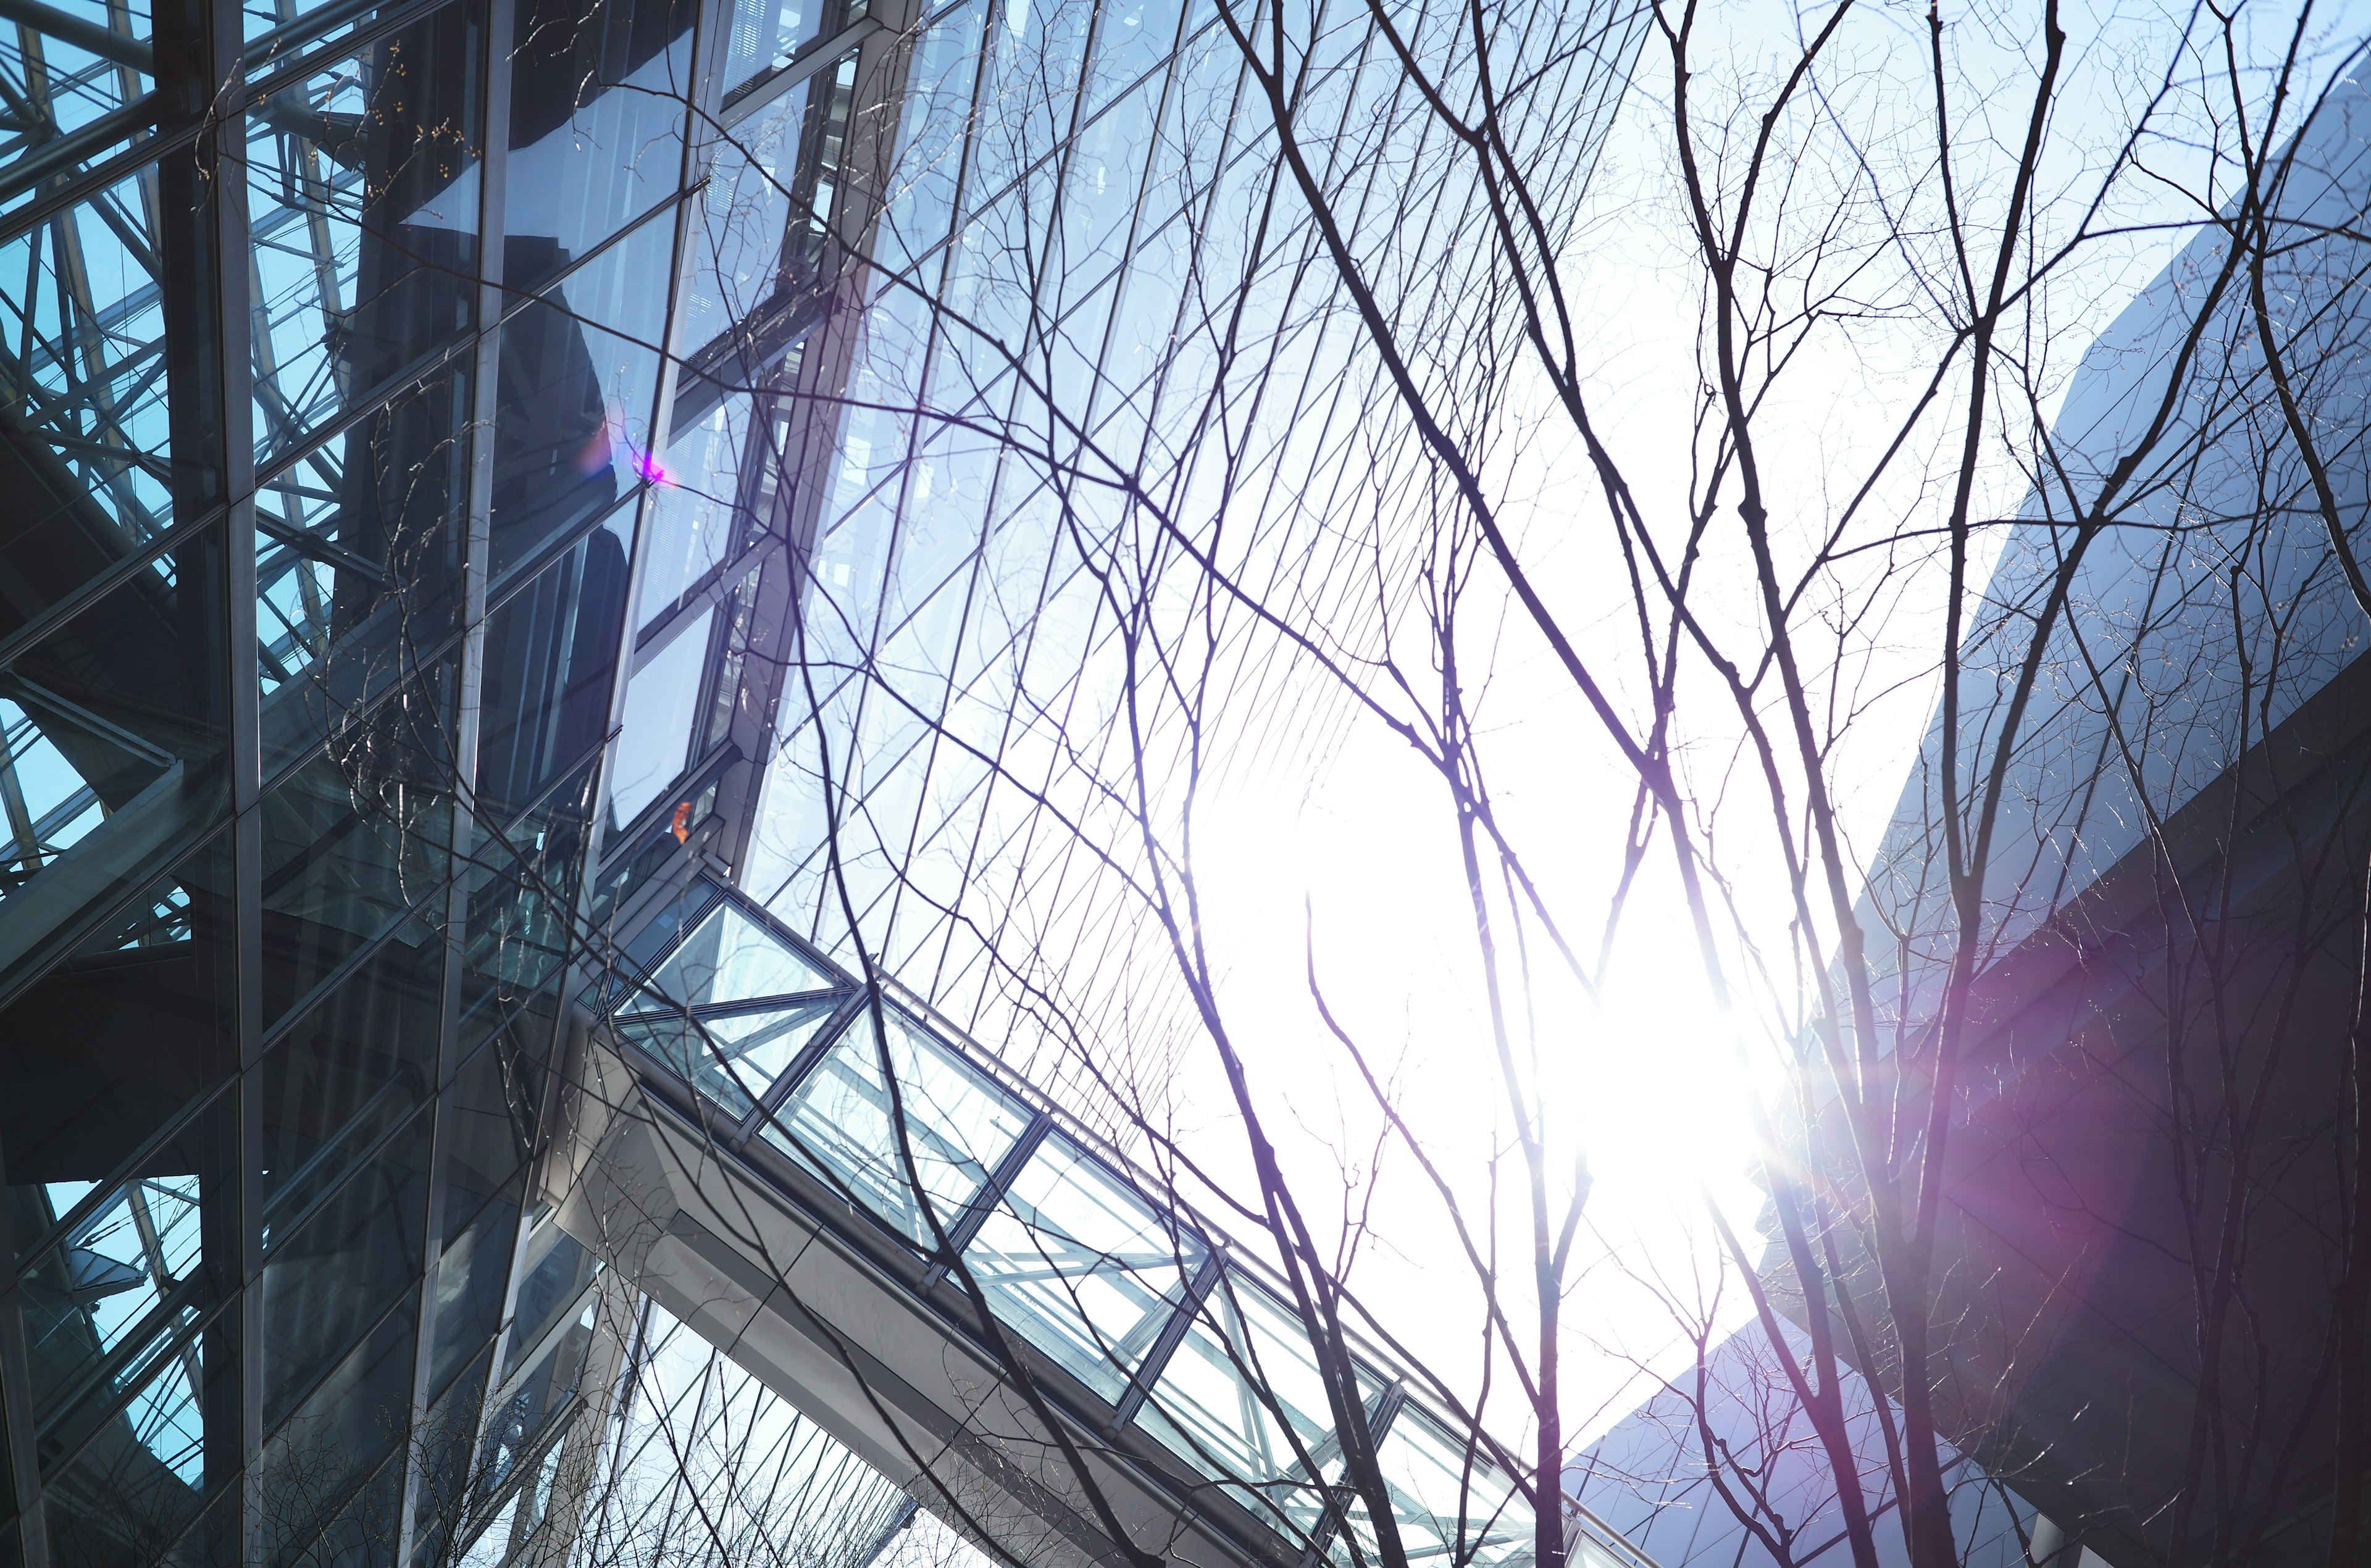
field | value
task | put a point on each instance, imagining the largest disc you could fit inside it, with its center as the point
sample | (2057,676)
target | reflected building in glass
(423,429)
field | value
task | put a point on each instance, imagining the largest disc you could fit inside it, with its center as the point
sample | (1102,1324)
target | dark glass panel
(551,653)
(110,747)
(365,1531)
(468,1290)
(659,929)
(526,1412)
(137,1482)
(363,216)
(496,1100)
(522,919)
(106,1050)
(353,1068)
(490,1135)
(325,1452)
(578,373)
(358,546)
(448,1436)
(555,1272)
(666,841)
(598,102)
(355,841)
(344,1262)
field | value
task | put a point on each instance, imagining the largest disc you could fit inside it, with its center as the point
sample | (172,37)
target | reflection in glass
(735,257)
(118,1288)
(936,116)
(363,220)
(598,102)
(338,1436)
(358,560)
(342,1265)
(352,843)
(655,737)
(468,1290)
(141,1477)
(698,519)
(352,1069)
(766,33)
(1082,1264)
(556,1270)
(538,1396)
(732,958)
(112,1047)
(579,369)
(732,1058)
(551,654)
(956,1124)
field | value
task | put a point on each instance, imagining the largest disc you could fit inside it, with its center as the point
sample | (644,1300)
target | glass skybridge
(1164,1329)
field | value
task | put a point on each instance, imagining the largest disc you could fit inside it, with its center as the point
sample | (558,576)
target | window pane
(539,1396)
(558,1268)
(597,98)
(352,843)
(551,655)
(85,462)
(468,1291)
(1079,1262)
(141,1478)
(733,1059)
(108,1049)
(699,519)
(360,1412)
(956,1121)
(729,957)
(341,1267)
(736,248)
(358,549)
(931,139)
(1452,1504)
(579,370)
(113,735)
(1216,1405)
(654,739)
(116,1280)
(352,1069)
(363,217)
(766,33)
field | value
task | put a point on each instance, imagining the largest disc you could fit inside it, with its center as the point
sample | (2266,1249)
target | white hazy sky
(1650,1081)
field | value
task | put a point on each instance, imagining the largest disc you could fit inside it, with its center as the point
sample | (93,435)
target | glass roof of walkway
(1114,1286)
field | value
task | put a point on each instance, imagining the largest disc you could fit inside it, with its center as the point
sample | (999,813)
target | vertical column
(429,1440)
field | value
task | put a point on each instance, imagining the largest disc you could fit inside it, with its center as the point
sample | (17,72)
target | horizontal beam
(86,36)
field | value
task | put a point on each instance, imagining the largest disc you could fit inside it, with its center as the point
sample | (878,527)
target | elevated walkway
(733,1151)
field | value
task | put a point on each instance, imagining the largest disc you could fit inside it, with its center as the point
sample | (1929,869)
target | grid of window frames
(333,401)
(1090,272)
(1152,1316)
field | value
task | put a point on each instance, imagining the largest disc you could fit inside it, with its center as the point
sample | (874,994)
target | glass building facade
(466,477)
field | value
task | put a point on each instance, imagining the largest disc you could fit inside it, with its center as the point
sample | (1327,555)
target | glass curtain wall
(334,390)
